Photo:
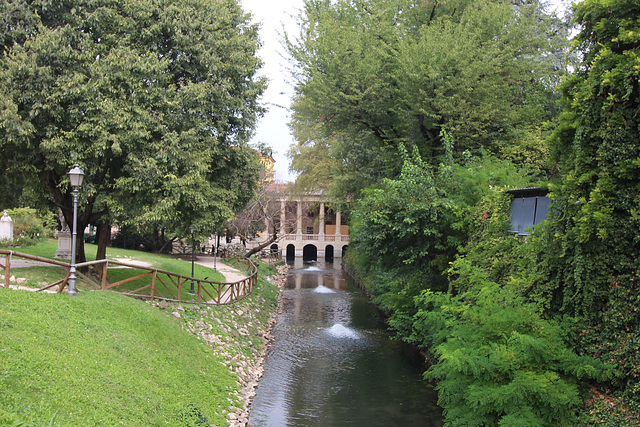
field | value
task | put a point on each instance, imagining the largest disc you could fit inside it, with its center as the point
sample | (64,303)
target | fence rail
(146,282)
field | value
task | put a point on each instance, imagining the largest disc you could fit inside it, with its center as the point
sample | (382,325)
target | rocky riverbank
(241,334)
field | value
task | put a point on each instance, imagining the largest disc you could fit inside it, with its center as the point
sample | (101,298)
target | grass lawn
(103,359)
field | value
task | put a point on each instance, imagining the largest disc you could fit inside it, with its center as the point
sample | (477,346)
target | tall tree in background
(154,101)
(376,74)
(590,266)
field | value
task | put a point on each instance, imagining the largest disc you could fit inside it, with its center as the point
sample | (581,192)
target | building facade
(307,226)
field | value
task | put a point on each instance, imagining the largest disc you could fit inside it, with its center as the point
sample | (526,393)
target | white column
(283,216)
(338,223)
(299,218)
(321,225)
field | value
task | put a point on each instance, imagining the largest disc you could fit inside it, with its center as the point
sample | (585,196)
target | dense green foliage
(376,75)
(516,328)
(30,226)
(588,261)
(152,99)
(499,361)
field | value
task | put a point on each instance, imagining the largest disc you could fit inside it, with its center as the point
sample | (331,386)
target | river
(333,362)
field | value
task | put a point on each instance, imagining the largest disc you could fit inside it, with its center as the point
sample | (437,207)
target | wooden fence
(144,282)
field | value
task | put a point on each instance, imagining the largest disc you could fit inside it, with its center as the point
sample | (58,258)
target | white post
(299,219)
(283,218)
(321,220)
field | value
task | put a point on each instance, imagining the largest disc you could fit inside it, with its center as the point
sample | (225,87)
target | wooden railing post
(103,283)
(153,283)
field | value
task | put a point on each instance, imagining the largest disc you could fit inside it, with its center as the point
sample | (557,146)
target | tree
(153,100)
(261,216)
(499,361)
(386,73)
(589,264)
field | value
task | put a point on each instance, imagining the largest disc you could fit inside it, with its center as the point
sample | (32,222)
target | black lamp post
(192,291)
(75,179)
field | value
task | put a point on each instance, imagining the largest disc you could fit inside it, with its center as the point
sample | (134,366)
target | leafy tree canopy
(154,101)
(376,74)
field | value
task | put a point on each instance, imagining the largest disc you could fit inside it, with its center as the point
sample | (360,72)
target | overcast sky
(273,129)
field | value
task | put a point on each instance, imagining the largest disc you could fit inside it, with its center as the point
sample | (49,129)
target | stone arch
(328,253)
(310,253)
(291,251)
(344,250)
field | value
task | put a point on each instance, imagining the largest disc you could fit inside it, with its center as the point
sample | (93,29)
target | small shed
(529,207)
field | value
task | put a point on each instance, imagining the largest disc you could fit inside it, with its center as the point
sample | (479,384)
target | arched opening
(328,253)
(310,253)
(274,252)
(291,252)
(344,250)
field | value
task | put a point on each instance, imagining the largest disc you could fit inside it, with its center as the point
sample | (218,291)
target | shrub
(499,362)
(30,226)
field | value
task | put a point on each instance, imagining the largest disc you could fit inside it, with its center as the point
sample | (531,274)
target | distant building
(267,174)
(309,226)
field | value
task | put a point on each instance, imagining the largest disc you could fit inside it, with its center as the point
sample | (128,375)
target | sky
(272,129)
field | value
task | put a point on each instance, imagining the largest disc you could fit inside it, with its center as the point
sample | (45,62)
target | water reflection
(310,274)
(332,362)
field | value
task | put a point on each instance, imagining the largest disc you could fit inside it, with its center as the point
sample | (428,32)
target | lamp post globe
(76,176)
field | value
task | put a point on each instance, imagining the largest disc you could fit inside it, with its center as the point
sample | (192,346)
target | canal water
(333,362)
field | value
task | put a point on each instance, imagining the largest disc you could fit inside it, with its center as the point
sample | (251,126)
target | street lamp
(192,291)
(75,179)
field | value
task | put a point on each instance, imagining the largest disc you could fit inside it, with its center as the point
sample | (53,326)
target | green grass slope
(103,359)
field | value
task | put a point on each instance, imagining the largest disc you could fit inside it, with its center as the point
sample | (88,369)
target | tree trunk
(81,255)
(103,239)
(165,244)
(258,248)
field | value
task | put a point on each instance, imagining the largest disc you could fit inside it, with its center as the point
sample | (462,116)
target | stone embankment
(250,376)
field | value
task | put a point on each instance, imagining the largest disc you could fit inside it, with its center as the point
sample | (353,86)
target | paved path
(18,262)
(230,274)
